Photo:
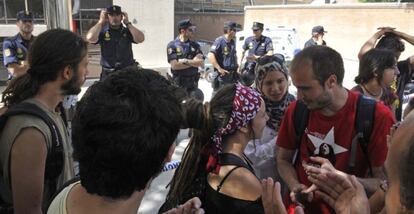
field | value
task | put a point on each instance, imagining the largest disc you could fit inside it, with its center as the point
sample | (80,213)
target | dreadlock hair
(49,54)
(205,120)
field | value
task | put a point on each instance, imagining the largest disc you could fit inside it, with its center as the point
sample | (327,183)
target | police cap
(318,29)
(114,9)
(24,15)
(257,26)
(184,24)
(229,25)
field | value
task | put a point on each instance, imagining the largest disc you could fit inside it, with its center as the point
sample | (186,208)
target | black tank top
(217,203)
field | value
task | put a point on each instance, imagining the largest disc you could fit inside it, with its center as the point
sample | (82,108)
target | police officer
(15,48)
(223,56)
(256,46)
(115,33)
(185,56)
(318,32)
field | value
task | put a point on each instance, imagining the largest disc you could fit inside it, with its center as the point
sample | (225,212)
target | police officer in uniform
(256,46)
(223,56)
(115,33)
(15,48)
(185,56)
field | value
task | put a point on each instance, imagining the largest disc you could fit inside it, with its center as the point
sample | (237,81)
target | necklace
(372,94)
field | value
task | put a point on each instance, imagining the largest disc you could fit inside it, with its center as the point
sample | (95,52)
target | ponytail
(19,89)
(191,176)
(195,117)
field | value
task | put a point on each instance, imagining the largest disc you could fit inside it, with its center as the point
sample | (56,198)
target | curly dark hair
(122,131)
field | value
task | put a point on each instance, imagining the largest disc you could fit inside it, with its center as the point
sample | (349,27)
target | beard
(320,102)
(27,29)
(72,87)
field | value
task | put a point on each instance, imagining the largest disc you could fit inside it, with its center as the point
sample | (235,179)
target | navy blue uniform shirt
(225,53)
(116,47)
(311,42)
(177,50)
(258,47)
(15,49)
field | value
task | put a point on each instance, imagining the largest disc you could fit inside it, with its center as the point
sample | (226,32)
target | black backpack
(55,155)
(364,122)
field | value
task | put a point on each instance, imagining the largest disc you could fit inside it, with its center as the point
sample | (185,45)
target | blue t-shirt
(116,47)
(258,47)
(177,50)
(225,53)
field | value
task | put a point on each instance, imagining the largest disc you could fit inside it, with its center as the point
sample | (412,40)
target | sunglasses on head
(279,58)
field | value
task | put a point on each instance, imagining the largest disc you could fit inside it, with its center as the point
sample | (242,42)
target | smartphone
(301,198)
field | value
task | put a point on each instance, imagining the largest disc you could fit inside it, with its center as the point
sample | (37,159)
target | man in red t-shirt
(317,72)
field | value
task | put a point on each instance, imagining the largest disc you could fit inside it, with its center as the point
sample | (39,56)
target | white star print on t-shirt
(329,139)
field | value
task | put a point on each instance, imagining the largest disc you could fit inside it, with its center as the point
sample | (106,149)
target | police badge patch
(107,36)
(250,45)
(226,51)
(7,52)
(178,50)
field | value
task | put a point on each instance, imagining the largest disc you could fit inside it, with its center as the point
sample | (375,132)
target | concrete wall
(156,20)
(209,26)
(348,25)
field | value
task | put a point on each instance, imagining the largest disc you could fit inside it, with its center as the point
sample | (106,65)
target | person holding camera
(115,33)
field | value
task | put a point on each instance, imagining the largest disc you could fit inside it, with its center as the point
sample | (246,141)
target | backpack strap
(364,123)
(300,121)
(54,159)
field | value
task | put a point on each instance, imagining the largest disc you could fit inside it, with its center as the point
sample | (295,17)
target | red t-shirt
(331,137)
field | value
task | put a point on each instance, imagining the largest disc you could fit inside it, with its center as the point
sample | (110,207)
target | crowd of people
(254,147)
